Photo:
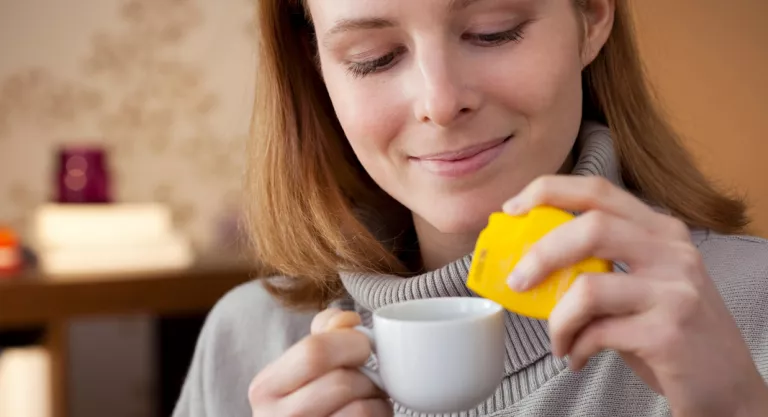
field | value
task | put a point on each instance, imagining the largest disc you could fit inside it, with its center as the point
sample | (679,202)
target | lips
(464,153)
(462,162)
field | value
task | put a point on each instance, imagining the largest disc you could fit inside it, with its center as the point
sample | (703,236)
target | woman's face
(452,106)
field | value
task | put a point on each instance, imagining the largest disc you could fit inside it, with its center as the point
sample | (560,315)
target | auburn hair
(305,188)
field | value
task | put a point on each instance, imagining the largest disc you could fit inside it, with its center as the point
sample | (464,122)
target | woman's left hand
(665,317)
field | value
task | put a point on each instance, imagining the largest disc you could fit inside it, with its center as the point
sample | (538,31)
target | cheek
(543,78)
(373,113)
(368,112)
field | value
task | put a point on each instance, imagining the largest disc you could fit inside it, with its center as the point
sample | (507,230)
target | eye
(382,63)
(497,38)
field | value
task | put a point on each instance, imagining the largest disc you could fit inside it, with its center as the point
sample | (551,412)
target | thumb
(343,320)
(320,321)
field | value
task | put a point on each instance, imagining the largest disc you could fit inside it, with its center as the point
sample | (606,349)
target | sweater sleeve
(245,331)
(739,268)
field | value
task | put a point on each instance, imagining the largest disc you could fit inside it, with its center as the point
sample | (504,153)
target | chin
(457,219)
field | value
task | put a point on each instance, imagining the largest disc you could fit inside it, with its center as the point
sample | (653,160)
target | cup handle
(370,373)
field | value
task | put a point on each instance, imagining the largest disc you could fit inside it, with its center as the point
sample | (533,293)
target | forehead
(335,16)
(332,8)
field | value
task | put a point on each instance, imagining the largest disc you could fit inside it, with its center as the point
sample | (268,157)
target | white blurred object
(25,383)
(73,239)
(170,253)
(71,225)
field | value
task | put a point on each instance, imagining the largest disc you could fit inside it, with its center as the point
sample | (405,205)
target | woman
(386,132)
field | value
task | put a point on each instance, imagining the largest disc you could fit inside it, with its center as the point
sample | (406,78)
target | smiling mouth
(462,162)
(468,152)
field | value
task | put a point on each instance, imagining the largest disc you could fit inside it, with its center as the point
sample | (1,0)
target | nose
(446,95)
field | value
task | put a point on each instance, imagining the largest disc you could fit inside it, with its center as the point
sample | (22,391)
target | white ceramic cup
(438,355)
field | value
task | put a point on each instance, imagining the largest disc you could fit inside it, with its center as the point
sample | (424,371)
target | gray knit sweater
(247,329)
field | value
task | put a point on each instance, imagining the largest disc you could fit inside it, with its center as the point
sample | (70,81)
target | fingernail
(519,279)
(516,281)
(558,354)
(513,207)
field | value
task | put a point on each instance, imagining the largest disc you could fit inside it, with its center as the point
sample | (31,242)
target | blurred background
(122,124)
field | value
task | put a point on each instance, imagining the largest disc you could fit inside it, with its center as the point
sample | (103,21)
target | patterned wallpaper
(164,85)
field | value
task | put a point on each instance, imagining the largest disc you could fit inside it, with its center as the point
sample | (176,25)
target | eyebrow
(346,25)
(455,5)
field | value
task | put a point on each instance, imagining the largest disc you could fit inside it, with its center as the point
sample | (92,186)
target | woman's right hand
(318,376)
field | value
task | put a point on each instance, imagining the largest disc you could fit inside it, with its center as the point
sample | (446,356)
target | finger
(309,359)
(594,297)
(614,333)
(595,234)
(330,393)
(367,408)
(320,321)
(263,410)
(343,320)
(582,194)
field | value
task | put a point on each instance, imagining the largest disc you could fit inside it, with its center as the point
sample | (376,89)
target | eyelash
(498,38)
(361,69)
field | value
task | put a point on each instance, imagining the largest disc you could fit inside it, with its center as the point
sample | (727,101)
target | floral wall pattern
(164,85)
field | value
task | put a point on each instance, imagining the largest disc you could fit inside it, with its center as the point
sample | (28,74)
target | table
(32,300)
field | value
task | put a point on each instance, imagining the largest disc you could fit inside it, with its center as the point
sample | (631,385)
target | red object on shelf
(10,252)
(82,175)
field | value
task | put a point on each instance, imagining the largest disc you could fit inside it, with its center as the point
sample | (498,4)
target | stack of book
(108,238)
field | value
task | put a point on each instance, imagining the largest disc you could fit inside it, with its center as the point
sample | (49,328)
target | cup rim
(494,308)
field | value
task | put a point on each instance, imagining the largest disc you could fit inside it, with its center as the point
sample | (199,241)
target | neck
(438,249)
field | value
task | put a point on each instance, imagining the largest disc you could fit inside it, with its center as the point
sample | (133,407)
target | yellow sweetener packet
(503,243)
